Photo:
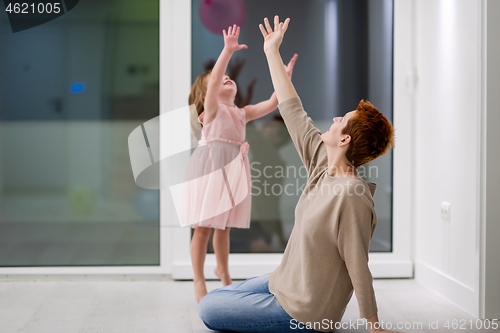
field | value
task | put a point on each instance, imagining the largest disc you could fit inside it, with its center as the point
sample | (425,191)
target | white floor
(159,304)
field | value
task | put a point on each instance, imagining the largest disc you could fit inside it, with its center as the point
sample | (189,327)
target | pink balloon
(220,14)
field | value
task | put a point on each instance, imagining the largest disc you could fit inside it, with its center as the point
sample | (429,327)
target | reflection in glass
(345,54)
(71,91)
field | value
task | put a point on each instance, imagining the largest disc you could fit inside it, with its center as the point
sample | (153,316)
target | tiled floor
(157,304)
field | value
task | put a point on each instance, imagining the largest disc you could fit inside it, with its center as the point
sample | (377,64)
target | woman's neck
(338,166)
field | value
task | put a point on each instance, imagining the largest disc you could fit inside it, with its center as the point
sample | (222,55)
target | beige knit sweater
(326,257)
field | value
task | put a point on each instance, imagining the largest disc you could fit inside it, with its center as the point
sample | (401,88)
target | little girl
(217,193)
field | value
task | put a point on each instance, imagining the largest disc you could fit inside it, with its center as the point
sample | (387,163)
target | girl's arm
(265,107)
(215,81)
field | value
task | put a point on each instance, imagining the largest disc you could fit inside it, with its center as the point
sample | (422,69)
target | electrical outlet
(445,211)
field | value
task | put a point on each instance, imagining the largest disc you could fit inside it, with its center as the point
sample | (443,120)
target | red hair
(372,135)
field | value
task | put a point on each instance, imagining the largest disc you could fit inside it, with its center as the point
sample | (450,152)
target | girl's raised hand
(273,39)
(289,67)
(231,39)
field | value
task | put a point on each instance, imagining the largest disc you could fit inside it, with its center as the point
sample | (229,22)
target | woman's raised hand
(231,39)
(273,39)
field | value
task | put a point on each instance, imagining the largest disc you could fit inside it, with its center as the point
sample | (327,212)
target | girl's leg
(221,249)
(199,245)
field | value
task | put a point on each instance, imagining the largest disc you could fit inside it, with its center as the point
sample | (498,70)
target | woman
(326,257)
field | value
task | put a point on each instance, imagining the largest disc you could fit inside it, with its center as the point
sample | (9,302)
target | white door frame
(175,80)
(399,263)
(175,83)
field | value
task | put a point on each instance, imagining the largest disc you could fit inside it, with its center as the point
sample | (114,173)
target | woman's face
(334,135)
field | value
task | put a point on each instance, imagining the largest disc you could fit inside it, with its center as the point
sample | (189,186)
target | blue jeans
(247,306)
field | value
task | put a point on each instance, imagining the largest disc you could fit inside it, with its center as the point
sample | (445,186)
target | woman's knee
(208,312)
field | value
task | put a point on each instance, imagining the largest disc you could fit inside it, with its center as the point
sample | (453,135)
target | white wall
(447,114)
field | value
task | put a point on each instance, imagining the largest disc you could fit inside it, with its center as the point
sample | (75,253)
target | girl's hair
(198,91)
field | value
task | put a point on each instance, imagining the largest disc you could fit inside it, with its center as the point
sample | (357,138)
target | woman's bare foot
(200,289)
(223,276)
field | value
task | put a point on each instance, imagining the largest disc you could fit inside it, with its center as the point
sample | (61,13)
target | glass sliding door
(71,91)
(345,53)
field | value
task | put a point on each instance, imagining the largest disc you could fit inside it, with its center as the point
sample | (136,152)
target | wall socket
(445,211)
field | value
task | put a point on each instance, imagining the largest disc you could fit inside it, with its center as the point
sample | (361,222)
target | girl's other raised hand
(231,39)
(289,67)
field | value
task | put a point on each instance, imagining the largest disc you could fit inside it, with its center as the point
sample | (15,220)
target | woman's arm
(261,109)
(272,40)
(305,136)
(215,81)
(355,230)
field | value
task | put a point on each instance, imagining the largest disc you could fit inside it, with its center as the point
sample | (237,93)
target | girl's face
(334,136)
(228,87)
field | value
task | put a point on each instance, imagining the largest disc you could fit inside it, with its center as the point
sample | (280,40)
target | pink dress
(216,192)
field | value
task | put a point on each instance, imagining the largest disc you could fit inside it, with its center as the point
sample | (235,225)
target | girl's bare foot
(200,289)
(223,276)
